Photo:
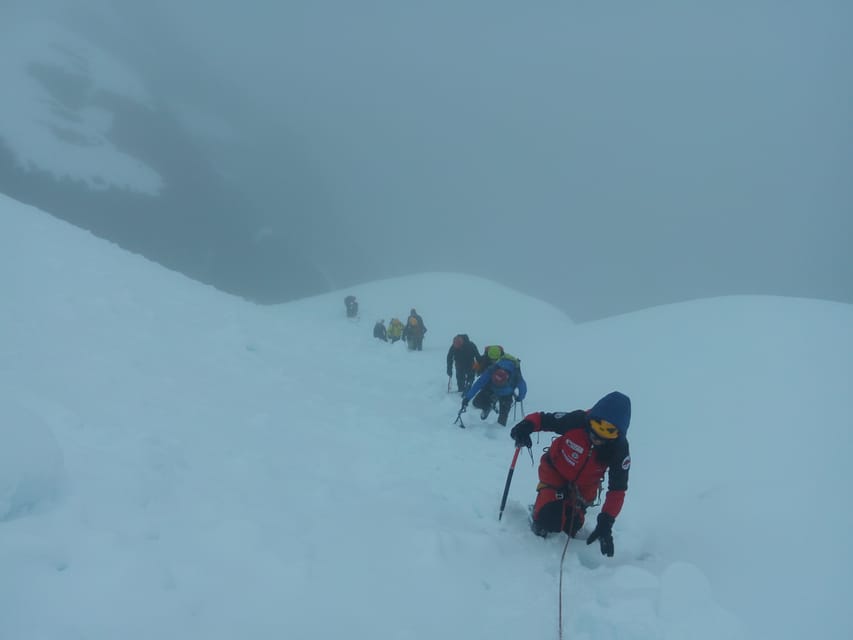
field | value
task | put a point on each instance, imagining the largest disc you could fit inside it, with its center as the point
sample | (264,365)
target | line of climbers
(412,333)
(589,443)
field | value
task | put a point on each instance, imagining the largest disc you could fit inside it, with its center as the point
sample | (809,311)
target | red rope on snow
(562,559)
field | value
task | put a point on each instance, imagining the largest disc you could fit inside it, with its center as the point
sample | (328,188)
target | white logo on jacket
(576,451)
(574,445)
(569,459)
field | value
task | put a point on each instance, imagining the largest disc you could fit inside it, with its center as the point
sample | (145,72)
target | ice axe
(508,480)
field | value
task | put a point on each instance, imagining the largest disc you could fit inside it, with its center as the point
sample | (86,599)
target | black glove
(464,405)
(603,533)
(521,434)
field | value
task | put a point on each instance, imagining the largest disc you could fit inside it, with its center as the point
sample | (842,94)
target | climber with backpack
(395,330)
(462,353)
(379,331)
(499,384)
(571,471)
(414,331)
(491,354)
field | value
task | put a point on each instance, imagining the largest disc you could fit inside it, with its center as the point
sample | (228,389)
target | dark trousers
(464,378)
(559,514)
(558,506)
(486,398)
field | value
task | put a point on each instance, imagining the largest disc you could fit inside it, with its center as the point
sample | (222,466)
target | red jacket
(578,461)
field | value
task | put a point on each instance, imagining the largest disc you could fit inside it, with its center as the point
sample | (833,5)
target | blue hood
(507,364)
(615,408)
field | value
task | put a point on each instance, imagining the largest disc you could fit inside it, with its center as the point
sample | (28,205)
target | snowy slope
(177,463)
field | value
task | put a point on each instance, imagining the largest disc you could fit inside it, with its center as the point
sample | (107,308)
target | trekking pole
(508,480)
(449,379)
(459,418)
(515,408)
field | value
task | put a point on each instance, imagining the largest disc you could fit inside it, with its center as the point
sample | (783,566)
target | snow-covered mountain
(56,113)
(83,138)
(178,463)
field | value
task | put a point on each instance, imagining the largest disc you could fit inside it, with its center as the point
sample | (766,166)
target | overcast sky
(603,156)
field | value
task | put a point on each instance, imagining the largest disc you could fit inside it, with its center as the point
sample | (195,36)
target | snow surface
(68,138)
(178,463)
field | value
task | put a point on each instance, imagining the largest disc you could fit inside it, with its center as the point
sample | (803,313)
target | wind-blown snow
(70,140)
(178,463)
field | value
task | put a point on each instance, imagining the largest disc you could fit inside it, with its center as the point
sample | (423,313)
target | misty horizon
(604,158)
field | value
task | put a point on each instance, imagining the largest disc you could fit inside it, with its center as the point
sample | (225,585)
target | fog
(602,156)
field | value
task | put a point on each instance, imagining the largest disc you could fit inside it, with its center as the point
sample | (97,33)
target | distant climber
(379,331)
(395,330)
(352,306)
(414,331)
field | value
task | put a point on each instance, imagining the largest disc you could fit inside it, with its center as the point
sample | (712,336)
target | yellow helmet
(604,429)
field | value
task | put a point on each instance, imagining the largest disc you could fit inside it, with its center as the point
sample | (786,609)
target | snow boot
(534,527)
